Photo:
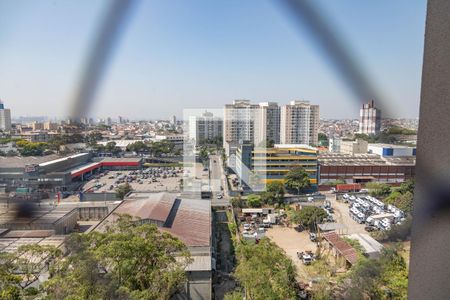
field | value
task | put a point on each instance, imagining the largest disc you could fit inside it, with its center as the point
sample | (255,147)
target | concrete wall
(99,197)
(92,213)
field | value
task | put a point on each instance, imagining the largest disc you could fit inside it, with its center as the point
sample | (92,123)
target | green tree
(27,148)
(137,147)
(308,216)
(254,200)
(23,267)
(93,137)
(111,147)
(378,189)
(203,154)
(323,139)
(277,188)
(162,147)
(407,186)
(401,201)
(129,260)
(385,278)
(265,272)
(123,190)
(297,179)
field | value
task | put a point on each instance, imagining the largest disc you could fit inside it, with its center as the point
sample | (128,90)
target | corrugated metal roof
(29,233)
(156,207)
(341,246)
(191,220)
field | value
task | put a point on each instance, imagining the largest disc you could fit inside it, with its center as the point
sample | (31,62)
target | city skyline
(168,57)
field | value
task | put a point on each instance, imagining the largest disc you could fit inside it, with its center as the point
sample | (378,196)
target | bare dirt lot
(291,242)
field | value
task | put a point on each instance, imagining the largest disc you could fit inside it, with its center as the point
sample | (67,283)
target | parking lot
(374,213)
(342,216)
(148,179)
(292,241)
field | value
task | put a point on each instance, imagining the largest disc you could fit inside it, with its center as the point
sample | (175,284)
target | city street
(217,180)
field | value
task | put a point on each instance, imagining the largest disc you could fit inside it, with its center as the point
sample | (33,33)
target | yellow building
(272,164)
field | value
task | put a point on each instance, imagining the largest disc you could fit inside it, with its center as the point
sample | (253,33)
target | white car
(247,226)
(310,199)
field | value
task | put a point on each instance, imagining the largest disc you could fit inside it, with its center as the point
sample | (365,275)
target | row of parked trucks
(373,212)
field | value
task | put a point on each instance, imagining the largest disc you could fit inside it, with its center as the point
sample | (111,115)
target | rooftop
(390,146)
(22,161)
(341,246)
(369,244)
(187,219)
(121,159)
(339,159)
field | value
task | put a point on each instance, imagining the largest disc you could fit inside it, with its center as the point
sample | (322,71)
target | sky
(177,54)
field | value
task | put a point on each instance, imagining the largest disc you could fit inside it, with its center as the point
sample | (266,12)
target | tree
(137,147)
(323,139)
(203,154)
(297,179)
(23,267)
(111,147)
(162,147)
(129,260)
(254,200)
(264,271)
(378,189)
(308,216)
(401,201)
(93,137)
(385,278)
(27,148)
(277,188)
(407,186)
(123,190)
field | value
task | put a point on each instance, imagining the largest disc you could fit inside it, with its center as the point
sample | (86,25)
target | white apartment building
(369,119)
(239,121)
(299,123)
(268,126)
(205,127)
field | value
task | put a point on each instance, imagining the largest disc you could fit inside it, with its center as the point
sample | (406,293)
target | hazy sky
(177,54)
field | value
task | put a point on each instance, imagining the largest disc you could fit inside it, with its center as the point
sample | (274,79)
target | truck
(371,220)
(348,187)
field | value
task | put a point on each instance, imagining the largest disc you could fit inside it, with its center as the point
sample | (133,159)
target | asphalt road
(217,178)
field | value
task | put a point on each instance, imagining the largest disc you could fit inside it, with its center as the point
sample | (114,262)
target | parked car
(312,236)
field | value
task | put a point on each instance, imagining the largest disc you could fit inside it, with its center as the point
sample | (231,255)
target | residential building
(50,126)
(205,127)
(369,119)
(268,126)
(353,147)
(5,118)
(299,123)
(238,124)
